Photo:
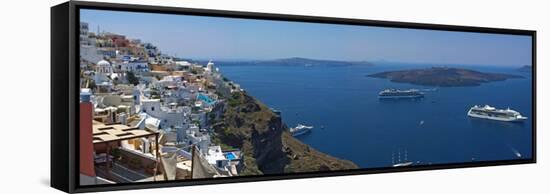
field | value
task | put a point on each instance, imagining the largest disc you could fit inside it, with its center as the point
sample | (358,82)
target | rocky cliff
(264,139)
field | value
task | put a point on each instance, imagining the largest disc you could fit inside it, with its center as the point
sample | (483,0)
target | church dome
(103,63)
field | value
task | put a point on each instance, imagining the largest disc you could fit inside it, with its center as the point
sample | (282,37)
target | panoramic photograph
(166,97)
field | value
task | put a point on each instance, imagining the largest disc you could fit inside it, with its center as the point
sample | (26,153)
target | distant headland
(300,61)
(525,68)
(443,76)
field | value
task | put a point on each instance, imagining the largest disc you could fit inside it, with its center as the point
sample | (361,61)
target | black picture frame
(64,93)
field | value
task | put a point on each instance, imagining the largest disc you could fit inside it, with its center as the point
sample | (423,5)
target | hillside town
(147,116)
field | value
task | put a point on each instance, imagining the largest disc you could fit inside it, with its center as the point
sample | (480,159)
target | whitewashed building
(90,53)
(133,66)
(169,117)
(193,135)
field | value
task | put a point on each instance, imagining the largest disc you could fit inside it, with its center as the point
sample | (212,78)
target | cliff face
(265,141)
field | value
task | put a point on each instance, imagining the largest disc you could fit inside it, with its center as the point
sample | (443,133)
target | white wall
(25,37)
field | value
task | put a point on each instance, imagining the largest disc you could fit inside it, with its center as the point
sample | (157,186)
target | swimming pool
(230,155)
(206,99)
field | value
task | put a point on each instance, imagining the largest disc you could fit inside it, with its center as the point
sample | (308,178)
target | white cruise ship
(492,113)
(399,94)
(300,130)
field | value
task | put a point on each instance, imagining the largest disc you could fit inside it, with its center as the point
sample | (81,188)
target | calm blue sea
(352,123)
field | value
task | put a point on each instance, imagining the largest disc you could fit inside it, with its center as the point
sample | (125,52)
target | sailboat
(400,163)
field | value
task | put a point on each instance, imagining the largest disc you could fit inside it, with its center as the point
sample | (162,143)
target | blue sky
(227,38)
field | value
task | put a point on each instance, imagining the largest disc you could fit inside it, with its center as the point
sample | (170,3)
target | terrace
(123,154)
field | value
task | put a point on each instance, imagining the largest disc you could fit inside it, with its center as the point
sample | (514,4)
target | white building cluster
(133,84)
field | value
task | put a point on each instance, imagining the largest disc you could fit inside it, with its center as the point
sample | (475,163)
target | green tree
(92,85)
(132,78)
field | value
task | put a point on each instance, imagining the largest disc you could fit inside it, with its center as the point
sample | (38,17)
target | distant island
(525,68)
(299,61)
(443,76)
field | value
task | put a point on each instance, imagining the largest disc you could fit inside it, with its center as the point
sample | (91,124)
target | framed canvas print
(149,96)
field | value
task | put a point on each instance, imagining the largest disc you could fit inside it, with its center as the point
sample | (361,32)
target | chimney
(123,118)
(86,134)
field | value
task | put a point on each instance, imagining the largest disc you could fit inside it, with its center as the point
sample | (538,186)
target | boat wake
(429,90)
(515,151)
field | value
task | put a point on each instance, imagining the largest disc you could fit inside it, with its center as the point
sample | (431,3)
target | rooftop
(116,132)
